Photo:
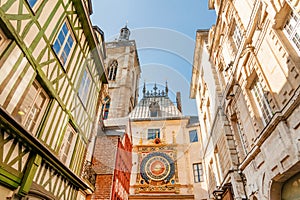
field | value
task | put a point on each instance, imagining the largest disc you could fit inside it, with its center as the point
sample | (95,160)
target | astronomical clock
(157,168)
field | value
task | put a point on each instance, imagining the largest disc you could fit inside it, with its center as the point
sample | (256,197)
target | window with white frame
(198,172)
(292,30)
(63,43)
(68,144)
(112,70)
(32,107)
(85,85)
(261,101)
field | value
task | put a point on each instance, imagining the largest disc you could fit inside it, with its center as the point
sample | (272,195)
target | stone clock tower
(123,72)
(161,163)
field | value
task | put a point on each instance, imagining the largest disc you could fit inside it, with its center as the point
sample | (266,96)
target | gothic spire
(167,89)
(144,90)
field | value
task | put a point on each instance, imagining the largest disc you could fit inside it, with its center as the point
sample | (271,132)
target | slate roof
(167,109)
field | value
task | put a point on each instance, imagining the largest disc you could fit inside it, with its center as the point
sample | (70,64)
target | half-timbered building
(51,71)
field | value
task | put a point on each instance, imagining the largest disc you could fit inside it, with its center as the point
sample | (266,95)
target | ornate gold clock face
(157,166)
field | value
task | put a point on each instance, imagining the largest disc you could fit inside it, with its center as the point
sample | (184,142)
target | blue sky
(164,31)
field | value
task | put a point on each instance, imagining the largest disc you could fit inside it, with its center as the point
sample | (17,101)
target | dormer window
(154,109)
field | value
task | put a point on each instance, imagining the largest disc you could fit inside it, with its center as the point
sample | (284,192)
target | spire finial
(144,89)
(155,88)
(167,89)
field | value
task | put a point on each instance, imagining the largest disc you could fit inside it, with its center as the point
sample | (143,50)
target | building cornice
(201,35)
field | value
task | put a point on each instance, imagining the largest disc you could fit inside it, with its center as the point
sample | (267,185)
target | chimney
(178,101)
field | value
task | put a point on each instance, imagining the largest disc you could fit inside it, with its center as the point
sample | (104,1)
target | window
(63,43)
(112,70)
(32,2)
(154,109)
(193,136)
(153,133)
(261,101)
(32,107)
(84,88)
(237,36)
(292,30)
(67,145)
(105,107)
(198,172)
(234,39)
(240,137)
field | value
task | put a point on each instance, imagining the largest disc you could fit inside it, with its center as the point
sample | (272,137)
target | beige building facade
(248,63)
(166,158)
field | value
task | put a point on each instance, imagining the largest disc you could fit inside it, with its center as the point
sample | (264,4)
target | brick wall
(104,157)
(103,187)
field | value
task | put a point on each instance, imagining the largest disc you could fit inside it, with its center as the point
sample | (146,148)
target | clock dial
(157,166)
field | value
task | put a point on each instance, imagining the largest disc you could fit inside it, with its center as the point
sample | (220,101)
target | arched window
(105,107)
(112,70)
